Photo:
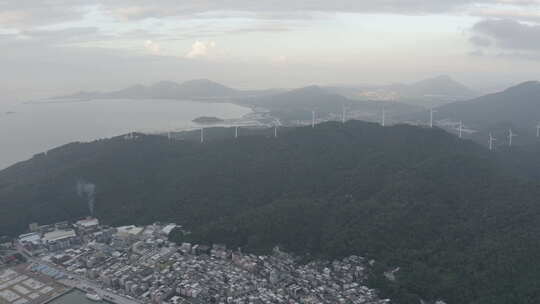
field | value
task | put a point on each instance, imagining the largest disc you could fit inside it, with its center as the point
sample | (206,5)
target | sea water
(30,128)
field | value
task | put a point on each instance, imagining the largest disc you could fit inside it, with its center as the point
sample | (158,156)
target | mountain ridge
(196,88)
(298,104)
(519,105)
(428,92)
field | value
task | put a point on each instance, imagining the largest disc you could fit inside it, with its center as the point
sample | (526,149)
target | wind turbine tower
(511,135)
(431,112)
(275,131)
(235,132)
(202,135)
(538,130)
(491,141)
(343,115)
(383,121)
(313,119)
(460,129)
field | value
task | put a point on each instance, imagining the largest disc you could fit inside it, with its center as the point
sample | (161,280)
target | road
(109,296)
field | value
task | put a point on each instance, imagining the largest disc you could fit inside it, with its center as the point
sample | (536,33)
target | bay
(30,128)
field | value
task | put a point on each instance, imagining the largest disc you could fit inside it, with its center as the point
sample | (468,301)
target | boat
(94,297)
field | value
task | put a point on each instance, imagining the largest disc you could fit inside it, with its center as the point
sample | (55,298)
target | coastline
(68,122)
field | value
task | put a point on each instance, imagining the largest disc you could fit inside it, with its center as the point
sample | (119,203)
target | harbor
(75,296)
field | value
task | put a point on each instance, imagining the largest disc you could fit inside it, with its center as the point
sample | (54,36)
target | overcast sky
(51,47)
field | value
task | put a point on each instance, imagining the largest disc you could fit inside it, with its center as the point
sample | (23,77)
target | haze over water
(30,128)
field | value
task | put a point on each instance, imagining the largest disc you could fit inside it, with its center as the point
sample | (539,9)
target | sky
(52,47)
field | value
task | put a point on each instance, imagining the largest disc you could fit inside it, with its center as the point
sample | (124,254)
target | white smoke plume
(88,191)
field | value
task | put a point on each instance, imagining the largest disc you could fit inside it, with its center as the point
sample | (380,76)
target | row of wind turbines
(236,128)
(432,112)
(492,139)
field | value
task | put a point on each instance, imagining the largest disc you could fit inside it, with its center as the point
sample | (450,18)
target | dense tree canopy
(458,222)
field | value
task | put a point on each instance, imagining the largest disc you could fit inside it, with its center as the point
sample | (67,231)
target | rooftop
(33,237)
(89,222)
(167,229)
(57,235)
(129,230)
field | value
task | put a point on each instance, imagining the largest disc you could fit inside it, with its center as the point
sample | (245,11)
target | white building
(87,224)
(167,229)
(59,239)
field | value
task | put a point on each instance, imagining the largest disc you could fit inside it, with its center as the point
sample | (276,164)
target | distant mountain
(460,228)
(516,108)
(198,89)
(438,87)
(518,105)
(428,93)
(299,103)
(193,89)
(311,97)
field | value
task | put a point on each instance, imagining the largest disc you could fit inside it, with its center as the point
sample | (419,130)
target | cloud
(284,9)
(523,13)
(280,59)
(44,38)
(200,49)
(12,17)
(29,13)
(152,47)
(477,53)
(480,41)
(507,34)
(137,12)
(24,14)
(73,43)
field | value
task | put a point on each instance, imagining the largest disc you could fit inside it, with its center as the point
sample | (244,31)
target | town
(132,264)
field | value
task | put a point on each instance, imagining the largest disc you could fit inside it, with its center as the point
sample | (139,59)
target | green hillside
(446,211)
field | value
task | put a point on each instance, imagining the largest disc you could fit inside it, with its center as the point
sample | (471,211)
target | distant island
(208,120)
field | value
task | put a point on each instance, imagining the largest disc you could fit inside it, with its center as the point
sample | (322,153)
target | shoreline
(236,114)
(58,295)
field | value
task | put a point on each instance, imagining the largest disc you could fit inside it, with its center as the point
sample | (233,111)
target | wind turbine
(383,121)
(313,119)
(460,129)
(235,132)
(275,131)
(511,135)
(431,112)
(491,141)
(202,135)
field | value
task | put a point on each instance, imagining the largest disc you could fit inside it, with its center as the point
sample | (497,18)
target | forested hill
(133,174)
(440,208)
